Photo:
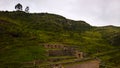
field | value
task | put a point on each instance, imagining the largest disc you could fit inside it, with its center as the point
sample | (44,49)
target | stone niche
(79,54)
(53,46)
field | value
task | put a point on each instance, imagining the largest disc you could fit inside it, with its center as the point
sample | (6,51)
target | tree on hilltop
(18,7)
(27,9)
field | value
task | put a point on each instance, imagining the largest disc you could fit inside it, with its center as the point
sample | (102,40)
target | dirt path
(88,64)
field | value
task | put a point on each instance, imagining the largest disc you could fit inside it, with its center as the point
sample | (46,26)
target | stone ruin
(56,50)
(62,50)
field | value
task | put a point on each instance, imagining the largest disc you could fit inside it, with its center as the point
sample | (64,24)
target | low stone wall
(55,53)
(60,52)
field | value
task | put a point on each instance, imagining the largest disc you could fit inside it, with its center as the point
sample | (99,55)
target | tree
(18,7)
(27,9)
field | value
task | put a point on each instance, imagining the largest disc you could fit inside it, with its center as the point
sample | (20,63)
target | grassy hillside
(22,34)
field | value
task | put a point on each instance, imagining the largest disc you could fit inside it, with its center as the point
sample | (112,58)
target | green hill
(22,35)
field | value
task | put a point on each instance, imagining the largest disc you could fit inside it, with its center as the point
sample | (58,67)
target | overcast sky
(94,12)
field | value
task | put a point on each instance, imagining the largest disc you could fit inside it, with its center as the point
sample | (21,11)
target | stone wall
(55,53)
(62,50)
(53,46)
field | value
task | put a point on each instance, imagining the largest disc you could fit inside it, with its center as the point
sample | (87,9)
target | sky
(94,12)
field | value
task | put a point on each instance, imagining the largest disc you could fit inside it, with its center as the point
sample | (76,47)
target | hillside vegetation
(22,35)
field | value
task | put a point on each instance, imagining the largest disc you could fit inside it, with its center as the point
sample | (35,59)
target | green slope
(22,34)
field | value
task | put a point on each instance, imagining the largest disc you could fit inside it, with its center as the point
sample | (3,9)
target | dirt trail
(88,64)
